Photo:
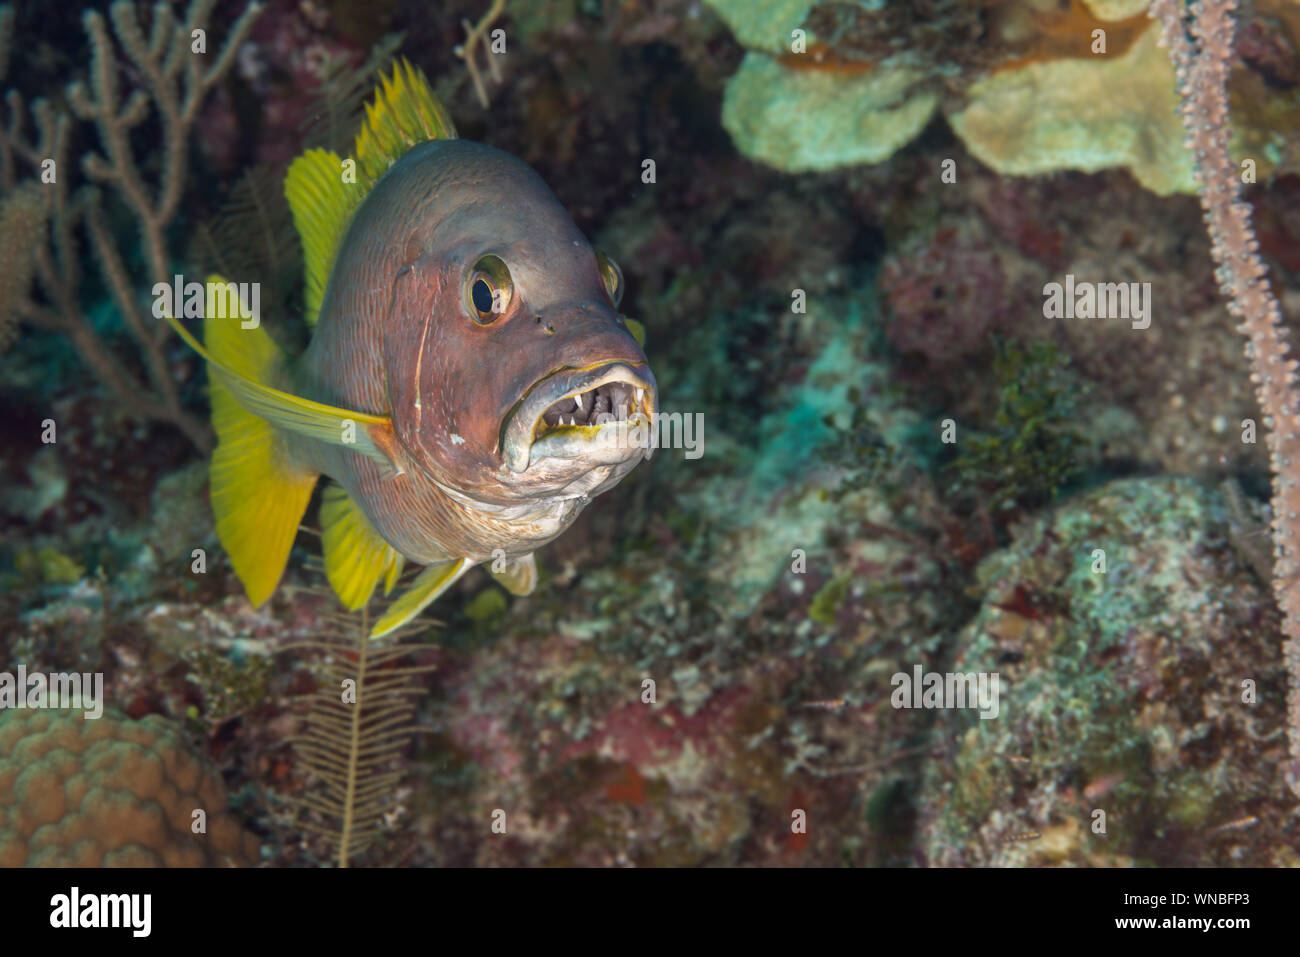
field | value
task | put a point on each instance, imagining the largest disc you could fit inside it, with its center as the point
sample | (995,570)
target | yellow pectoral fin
(370,435)
(356,557)
(519,576)
(428,585)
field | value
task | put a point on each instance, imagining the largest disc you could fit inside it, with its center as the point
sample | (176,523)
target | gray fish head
(512,376)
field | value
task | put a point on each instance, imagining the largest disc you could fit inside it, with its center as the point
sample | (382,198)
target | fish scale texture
(109,792)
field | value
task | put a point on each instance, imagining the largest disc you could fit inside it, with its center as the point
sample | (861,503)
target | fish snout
(579,330)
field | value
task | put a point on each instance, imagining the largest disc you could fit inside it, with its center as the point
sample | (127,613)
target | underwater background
(838,223)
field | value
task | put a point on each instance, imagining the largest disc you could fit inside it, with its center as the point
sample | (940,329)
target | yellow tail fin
(257,497)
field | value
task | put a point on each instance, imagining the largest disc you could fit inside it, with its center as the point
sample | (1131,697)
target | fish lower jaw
(604,443)
(580,417)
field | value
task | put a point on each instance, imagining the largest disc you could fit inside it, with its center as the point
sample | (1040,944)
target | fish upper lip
(521,424)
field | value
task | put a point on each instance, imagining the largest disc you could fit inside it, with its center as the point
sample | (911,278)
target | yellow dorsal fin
(322,205)
(356,557)
(405,112)
(428,585)
(324,189)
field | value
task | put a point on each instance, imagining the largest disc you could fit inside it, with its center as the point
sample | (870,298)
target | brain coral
(110,792)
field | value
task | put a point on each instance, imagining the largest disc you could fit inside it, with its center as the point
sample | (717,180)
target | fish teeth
(640,393)
(578,399)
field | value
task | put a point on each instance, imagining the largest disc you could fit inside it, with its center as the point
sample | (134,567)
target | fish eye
(613,277)
(488,289)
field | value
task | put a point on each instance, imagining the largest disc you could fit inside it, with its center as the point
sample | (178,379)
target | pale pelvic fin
(428,585)
(519,576)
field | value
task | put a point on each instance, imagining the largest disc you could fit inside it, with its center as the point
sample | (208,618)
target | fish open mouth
(614,401)
(575,412)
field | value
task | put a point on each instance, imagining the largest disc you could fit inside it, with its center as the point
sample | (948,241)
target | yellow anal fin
(519,576)
(322,204)
(428,585)
(356,556)
(239,359)
(257,497)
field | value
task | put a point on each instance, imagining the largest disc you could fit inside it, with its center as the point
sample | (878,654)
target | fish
(469,385)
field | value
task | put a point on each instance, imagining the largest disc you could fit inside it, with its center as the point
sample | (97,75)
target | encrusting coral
(808,110)
(1085,114)
(1028,87)
(1138,706)
(110,792)
(814,119)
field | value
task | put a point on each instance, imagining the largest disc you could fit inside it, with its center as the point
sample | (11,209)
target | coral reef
(110,792)
(819,119)
(1139,683)
(1028,87)
(826,299)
